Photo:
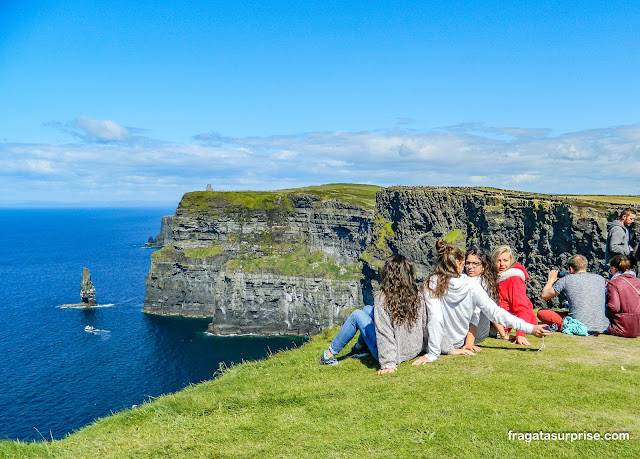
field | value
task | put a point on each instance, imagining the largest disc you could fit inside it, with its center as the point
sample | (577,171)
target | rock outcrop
(296,261)
(87,290)
(166,231)
(87,293)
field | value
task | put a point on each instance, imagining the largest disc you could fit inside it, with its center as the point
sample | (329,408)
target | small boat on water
(89,328)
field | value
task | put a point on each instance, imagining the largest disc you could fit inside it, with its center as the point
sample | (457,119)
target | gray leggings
(484,324)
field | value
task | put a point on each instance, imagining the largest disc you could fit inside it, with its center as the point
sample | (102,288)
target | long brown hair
(489,271)
(446,268)
(400,290)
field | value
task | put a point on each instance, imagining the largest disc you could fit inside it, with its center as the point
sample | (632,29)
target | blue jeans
(359,320)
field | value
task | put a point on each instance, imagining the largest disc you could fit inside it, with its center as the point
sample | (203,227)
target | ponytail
(445,269)
(621,263)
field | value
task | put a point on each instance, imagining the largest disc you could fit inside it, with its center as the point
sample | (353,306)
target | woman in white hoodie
(451,298)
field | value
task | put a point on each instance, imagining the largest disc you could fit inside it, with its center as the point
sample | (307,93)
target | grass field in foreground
(289,406)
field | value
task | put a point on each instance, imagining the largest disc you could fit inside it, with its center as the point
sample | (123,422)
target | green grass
(456,237)
(289,406)
(203,252)
(379,249)
(212,201)
(169,254)
(349,192)
(290,260)
(629,200)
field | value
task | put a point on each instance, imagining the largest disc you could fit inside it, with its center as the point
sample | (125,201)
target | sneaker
(324,360)
(358,352)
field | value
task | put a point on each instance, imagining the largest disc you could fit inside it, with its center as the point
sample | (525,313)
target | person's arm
(520,304)
(435,328)
(470,339)
(613,299)
(496,314)
(548,291)
(385,336)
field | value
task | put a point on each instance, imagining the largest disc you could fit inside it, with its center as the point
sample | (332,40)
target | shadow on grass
(509,346)
(368,361)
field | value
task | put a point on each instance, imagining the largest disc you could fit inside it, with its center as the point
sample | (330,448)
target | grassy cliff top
(362,195)
(597,199)
(289,406)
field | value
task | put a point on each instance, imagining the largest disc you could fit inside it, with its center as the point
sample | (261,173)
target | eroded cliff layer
(265,262)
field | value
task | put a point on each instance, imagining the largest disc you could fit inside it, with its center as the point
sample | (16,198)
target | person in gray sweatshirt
(451,298)
(618,236)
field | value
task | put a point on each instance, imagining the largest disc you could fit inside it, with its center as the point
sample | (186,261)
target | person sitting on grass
(623,299)
(393,329)
(512,290)
(480,269)
(585,295)
(451,298)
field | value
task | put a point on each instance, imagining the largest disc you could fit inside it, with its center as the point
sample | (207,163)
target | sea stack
(87,290)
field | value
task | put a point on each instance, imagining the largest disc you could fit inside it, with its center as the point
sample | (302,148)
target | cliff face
(297,261)
(273,262)
(544,231)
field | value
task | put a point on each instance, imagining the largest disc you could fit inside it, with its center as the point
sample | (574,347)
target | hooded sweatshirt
(513,294)
(450,315)
(399,343)
(617,241)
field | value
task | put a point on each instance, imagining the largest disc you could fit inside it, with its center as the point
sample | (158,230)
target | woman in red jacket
(623,299)
(512,290)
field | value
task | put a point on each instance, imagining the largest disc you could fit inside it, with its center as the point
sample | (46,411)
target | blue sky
(144,101)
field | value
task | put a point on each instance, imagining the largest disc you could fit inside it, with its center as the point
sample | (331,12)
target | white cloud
(582,162)
(524,178)
(285,155)
(105,130)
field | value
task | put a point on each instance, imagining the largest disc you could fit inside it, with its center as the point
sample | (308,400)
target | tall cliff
(544,230)
(265,262)
(296,261)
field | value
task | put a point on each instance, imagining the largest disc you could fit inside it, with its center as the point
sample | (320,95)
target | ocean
(57,377)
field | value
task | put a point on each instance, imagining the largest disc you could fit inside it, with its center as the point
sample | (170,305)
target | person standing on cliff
(585,293)
(619,237)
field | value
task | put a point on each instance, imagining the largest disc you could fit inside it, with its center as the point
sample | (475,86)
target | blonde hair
(578,263)
(495,254)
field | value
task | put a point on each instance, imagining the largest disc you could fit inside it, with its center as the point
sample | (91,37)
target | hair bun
(441,247)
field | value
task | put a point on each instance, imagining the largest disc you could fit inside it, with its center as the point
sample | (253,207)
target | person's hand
(384,371)
(553,275)
(539,331)
(462,351)
(472,347)
(422,360)
(521,340)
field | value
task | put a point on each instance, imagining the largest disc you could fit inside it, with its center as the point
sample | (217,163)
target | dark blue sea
(55,376)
